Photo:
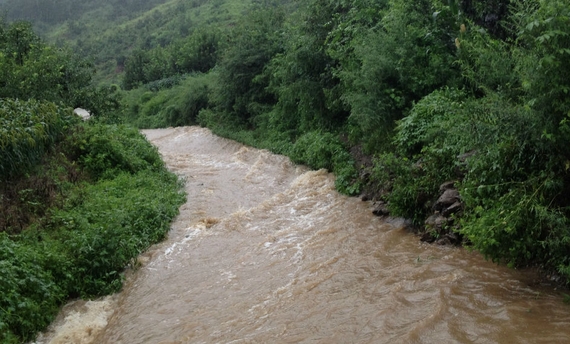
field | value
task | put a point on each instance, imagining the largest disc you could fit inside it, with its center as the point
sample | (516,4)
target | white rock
(82,113)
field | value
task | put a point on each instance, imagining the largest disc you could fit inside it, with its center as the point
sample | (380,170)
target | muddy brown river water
(268,252)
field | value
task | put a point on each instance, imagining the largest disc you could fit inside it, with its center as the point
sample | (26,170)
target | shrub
(429,120)
(105,150)
(108,224)
(426,150)
(409,187)
(175,106)
(403,58)
(82,247)
(30,293)
(29,128)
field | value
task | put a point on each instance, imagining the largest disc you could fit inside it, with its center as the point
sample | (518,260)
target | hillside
(453,114)
(73,214)
(406,102)
(108,31)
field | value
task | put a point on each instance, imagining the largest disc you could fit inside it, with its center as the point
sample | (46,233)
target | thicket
(28,130)
(196,53)
(435,90)
(78,201)
(168,102)
(31,69)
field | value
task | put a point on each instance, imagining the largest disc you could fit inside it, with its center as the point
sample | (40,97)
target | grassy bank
(97,197)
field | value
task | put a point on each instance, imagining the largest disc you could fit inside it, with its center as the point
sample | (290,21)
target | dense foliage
(28,130)
(474,92)
(81,246)
(30,69)
(435,90)
(78,201)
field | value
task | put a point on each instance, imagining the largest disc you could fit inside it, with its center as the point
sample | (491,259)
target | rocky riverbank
(439,228)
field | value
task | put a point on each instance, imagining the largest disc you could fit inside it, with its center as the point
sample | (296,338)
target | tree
(242,86)
(302,77)
(406,56)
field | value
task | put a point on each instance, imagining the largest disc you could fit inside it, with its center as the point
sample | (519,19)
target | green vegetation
(78,201)
(25,137)
(173,101)
(430,90)
(121,203)
(433,90)
(166,36)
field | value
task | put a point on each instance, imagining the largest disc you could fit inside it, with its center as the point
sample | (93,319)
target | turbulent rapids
(268,252)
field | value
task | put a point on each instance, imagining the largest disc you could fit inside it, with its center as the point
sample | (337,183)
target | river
(268,252)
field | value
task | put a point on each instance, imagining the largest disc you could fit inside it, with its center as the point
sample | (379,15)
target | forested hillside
(395,97)
(107,32)
(435,91)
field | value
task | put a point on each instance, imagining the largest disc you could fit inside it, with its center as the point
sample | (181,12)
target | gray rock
(381,209)
(452,209)
(84,114)
(448,197)
(435,222)
(447,186)
(427,237)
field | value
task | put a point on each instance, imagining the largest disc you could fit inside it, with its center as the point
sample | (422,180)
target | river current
(268,252)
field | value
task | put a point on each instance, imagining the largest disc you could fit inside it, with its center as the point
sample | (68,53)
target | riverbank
(432,203)
(265,250)
(97,198)
(442,227)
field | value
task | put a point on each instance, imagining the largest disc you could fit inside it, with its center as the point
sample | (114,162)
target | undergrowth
(111,198)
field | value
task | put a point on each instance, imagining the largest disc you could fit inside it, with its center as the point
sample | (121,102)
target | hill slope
(107,31)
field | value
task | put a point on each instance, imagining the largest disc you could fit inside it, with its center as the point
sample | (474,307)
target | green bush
(318,150)
(106,150)
(409,187)
(429,121)
(511,183)
(241,87)
(175,106)
(426,149)
(28,129)
(518,228)
(192,98)
(401,59)
(108,224)
(30,293)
